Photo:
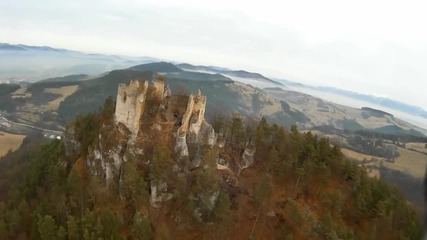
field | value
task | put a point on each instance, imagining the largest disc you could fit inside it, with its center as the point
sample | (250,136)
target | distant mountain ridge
(226,95)
(229,73)
(19,62)
(22,47)
(161,67)
(382,101)
(369,98)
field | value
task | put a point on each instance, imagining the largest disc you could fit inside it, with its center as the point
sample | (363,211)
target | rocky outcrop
(181,148)
(247,158)
(159,192)
(106,155)
(207,134)
(196,161)
(72,146)
(146,115)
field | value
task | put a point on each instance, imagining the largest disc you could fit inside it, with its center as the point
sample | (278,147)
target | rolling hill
(227,95)
(255,79)
(32,63)
(32,104)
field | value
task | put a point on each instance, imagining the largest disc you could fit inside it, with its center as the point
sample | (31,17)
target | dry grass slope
(419,147)
(410,162)
(21,93)
(358,156)
(63,91)
(9,142)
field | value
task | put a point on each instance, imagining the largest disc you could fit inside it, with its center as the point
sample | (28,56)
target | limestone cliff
(167,137)
(147,115)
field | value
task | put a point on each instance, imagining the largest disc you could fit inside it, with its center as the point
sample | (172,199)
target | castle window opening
(124,96)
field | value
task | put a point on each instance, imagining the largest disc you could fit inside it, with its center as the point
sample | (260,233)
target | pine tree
(62,233)
(3,230)
(237,134)
(300,172)
(72,229)
(293,212)
(14,221)
(264,189)
(47,228)
(141,228)
(162,162)
(222,212)
(133,186)
(111,223)
(278,165)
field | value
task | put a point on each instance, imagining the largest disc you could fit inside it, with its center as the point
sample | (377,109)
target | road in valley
(5,120)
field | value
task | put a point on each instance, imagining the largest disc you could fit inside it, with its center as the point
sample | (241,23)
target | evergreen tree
(111,224)
(264,189)
(133,186)
(62,233)
(47,228)
(279,166)
(14,222)
(301,173)
(294,215)
(72,229)
(141,228)
(222,211)
(237,134)
(3,230)
(162,163)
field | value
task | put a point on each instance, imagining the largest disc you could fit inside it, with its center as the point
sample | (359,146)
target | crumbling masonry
(131,103)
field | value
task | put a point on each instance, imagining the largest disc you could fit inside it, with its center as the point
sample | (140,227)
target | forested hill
(258,181)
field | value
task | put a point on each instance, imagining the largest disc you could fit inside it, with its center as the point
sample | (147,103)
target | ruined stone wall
(131,100)
(128,103)
(187,115)
(159,88)
(140,106)
(196,105)
(199,109)
(200,106)
(199,101)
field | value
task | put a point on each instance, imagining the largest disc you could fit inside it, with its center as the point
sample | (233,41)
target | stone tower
(131,100)
(130,104)
(159,87)
(194,114)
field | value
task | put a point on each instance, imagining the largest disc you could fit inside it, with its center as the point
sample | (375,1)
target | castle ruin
(130,104)
(185,111)
(194,114)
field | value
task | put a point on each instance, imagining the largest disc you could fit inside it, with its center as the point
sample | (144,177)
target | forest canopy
(300,187)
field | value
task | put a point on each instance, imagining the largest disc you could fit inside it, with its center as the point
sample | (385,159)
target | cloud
(367,46)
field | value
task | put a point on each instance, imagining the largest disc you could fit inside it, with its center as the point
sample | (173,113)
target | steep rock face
(199,135)
(129,103)
(159,192)
(71,144)
(247,158)
(147,117)
(107,153)
(206,135)
(181,148)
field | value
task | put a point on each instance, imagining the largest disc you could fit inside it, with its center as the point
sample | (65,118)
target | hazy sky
(375,47)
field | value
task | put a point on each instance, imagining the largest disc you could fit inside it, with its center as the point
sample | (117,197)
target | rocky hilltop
(147,118)
(147,165)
